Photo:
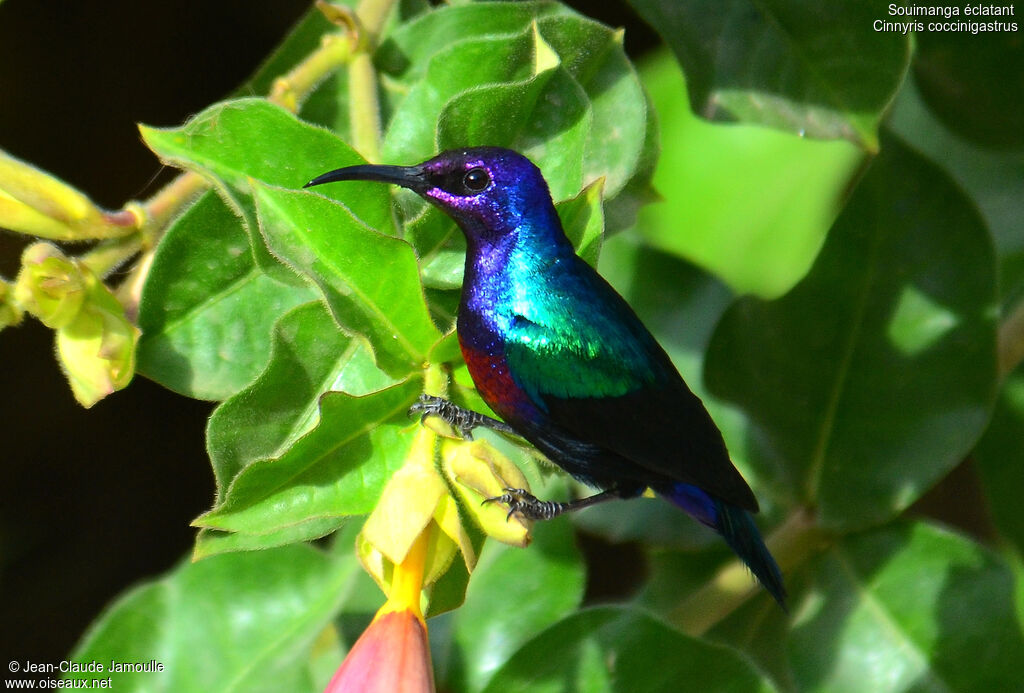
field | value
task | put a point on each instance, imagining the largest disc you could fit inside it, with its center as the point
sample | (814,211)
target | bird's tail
(737,528)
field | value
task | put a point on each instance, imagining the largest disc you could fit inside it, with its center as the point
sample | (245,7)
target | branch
(792,543)
(1011,340)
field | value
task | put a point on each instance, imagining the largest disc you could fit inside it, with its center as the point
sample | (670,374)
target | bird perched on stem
(564,360)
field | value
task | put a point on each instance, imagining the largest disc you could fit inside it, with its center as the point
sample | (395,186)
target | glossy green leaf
(993,178)
(592,55)
(582,219)
(241,622)
(875,375)
(749,204)
(549,83)
(335,471)
(545,117)
(370,281)
(907,608)
(454,69)
(975,82)
(618,649)
(514,593)
(440,247)
(207,310)
(310,356)
(407,51)
(235,143)
(817,69)
(1000,458)
(210,542)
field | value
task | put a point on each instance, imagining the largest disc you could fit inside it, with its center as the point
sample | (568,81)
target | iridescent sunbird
(563,359)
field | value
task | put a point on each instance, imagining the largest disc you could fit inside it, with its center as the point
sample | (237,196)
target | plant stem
(109,255)
(364,106)
(289,90)
(791,544)
(171,199)
(1011,340)
(372,15)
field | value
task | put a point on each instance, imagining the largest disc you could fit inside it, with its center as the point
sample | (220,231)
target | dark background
(93,501)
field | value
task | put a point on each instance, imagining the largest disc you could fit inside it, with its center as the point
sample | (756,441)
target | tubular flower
(393,654)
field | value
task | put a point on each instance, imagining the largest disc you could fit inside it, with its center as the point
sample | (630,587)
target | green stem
(364,106)
(291,89)
(791,543)
(435,380)
(109,255)
(372,16)
(170,201)
(1011,340)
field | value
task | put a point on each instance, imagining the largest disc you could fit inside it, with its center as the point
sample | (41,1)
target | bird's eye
(476,179)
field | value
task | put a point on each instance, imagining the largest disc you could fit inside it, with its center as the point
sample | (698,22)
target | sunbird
(561,357)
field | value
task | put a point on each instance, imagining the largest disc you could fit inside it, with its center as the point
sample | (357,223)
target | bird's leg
(462,420)
(529,506)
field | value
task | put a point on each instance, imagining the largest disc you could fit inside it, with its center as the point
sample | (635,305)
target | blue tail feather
(737,528)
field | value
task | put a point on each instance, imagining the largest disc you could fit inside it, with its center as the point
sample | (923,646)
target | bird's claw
(526,504)
(453,415)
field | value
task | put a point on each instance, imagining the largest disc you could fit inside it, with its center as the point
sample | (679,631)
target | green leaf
(240,622)
(406,53)
(336,470)
(907,608)
(993,178)
(593,56)
(815,69)
(975,83)
(206,311)
(875,375)
(236,143)
(210,542)
(582,218)
(1000,458)
(749,204)
(551,84)
(440,247)
(514,594)
(370,281)
(459,66)
(545,117)
(619,649)
(310,357)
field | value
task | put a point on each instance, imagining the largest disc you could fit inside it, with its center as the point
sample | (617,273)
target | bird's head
(487,190)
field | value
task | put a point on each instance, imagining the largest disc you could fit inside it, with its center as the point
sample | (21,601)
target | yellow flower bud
(34,202)
(50,285)
(478,472)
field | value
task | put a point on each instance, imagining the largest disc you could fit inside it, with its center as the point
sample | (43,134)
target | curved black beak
(411,177)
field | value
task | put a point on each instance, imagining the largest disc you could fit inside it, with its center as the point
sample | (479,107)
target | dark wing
(603,378)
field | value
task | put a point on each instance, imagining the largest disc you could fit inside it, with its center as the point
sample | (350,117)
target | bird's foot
(526,504)
(462,420)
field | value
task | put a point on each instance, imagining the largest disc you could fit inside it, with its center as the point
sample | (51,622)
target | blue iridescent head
(489,191)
